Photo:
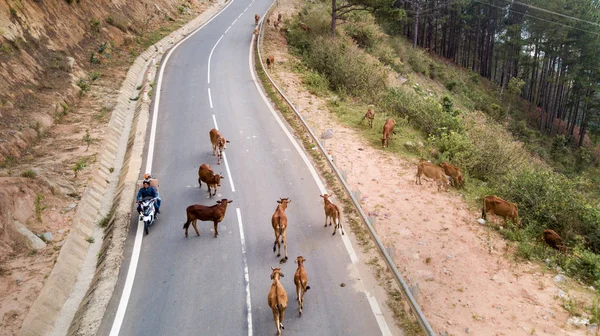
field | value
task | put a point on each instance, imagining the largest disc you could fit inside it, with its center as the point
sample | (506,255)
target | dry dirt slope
(46,48)
(464,276)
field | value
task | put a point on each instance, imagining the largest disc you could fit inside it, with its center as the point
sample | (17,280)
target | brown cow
(256,18)
(433,172)
(212,180)
(218,142)
(214,213)
(554,240)
(270,61)
(279,16)
(268,21)
(500,207)
(333,213)
(301,282)
(255,31)
(454,172)
(388,129)
(304,27)
(276,24)
(370,115)
(279,222)
(277,299)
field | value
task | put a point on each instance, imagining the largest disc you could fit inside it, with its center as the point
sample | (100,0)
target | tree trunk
(333,17)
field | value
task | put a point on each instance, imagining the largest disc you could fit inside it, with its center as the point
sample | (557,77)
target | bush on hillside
(365,35)
(346,67)
(319,22)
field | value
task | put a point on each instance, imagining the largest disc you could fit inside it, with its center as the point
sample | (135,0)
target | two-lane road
(207,286)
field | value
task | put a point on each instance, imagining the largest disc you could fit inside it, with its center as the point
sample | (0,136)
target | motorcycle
(148,215)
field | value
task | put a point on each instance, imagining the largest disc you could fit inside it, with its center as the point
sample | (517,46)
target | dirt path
(463,274)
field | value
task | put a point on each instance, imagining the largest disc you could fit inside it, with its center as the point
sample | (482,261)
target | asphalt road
(197,286)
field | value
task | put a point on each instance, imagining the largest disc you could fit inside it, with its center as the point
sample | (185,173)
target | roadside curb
(108,195)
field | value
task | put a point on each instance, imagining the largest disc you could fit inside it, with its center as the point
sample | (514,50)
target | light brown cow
(500,207)
(388,130)
(276,24)
(256,18)
(554,240)
(214,213)
(370,115)
(433,172)
(270,61)
(277,299)
(332,213)
(212,180)
(279,222)
(219,143)
(455,173)
(301,282)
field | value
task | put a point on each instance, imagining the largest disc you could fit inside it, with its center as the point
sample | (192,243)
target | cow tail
(483,210)
(187,222)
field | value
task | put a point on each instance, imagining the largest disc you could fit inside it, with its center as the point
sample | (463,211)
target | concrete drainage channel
(414,306)
(77,291)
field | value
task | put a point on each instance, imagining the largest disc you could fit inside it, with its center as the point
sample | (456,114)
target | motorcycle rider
(146,191)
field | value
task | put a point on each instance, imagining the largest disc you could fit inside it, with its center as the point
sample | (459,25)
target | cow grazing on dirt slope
(279,17)
(301,282)
(256,18)
(219,144)
(500,207)
(433,172)
(333,213)
(370,115)
(214,213)
(212,180)
(279,222)
(554,240)
(270,61)
(277,299)
(454,172)
(388,130)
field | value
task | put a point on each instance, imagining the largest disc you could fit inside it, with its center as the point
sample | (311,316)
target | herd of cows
(277,297)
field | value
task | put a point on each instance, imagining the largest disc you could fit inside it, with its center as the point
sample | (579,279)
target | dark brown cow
(304,27)
(279,16)
(277,299)
(256,18)
(214,213)
(454,172)
(268,21)
(279,222)
(500,207)
(212,180)
(301,282)
(332,212)
(433,172)
(388,129)
(554,240)
(370,115)
(219,143)
(270,61)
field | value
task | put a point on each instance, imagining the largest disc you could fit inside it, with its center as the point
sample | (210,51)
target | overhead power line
(555,13)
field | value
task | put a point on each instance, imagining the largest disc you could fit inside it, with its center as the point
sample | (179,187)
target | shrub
(365,35)
(346,67)
(29,174)
(450,85)
(316,83)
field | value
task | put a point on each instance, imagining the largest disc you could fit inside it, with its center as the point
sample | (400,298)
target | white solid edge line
(246,274)
(225,159)
(135,254)
(353,257)
(210,57)
(210,98)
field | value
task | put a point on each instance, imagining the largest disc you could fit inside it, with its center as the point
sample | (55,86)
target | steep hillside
(61,66)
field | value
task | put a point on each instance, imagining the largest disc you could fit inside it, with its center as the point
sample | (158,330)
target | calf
(301,282)
(219,143)
(279,222)
(370,115)
(256,18)
(277,299)
(333,213)
(454,172)
(388,129)
(433,172)
(500,207)
(304,27)
(270,61)
(554,240)
(212,180)
(214,213)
